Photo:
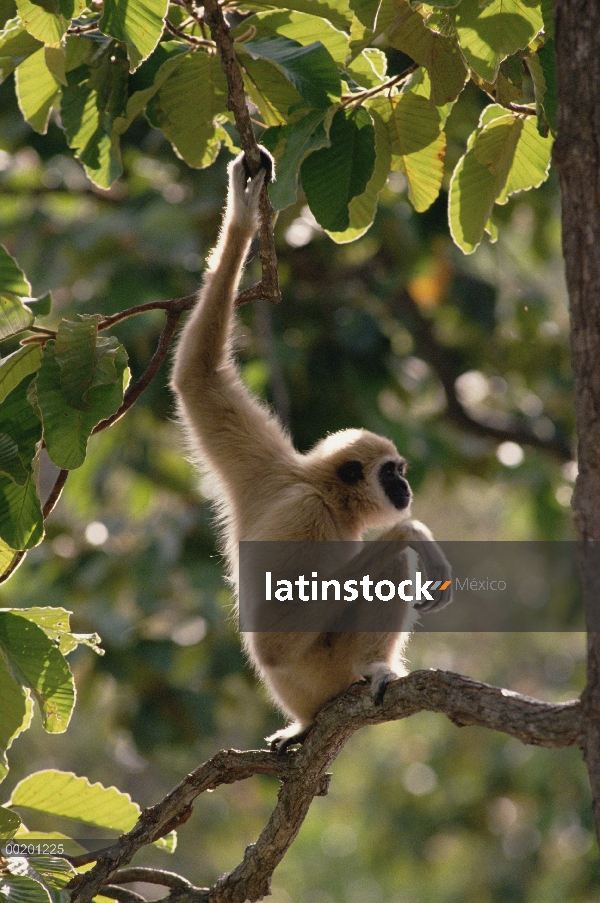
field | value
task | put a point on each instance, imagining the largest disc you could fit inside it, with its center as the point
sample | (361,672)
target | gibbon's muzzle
(395,485)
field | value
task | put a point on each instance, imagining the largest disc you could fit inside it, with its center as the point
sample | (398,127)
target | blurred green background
(366,335)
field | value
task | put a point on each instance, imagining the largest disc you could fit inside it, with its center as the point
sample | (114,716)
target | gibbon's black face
(394,484)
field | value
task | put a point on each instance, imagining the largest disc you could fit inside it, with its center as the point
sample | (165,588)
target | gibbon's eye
(351,473)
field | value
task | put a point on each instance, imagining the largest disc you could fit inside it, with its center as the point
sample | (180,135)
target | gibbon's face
(363,475)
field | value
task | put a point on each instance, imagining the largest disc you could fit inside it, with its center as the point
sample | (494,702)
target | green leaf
(40,307)
(405,30)
(547,59)
(188,106)
(9,821)
(12,277)
(489,34)
(14,316)
(16,44)
(504,155)
(37,90)
(65,795)
(331,177)
(268,88)
(17,366)
(138,23)
(67,428)
(7,556)
(368,69)
(147,81)
(48,20)
(300,27)
(16,889)
(88,110)
(363,207)
(311,70)
(37,663)
(17,709)
(336,11)
(51,872)
(301,138)
(55,624)
(365,11)
(548,17)
(21,522)
(74,351)
(10,462)
(417,144)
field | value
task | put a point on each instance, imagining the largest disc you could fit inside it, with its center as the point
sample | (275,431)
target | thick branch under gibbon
(305,773)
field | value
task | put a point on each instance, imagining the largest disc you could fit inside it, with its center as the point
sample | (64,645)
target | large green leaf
(268,88)
(37,663)
(405,30)
(38,90)
(9,821)
(138,23)
(12,277)
(74,351)
(368,69)
(52,872)
(14,316)
(331,177)
(299,27)
(48,20)
(300,139)
(488,34)
(92,101)
(19,889)
(505,154)
(336,11)
(311,70)
(147,81)
(67,428)
(417,144)
(547,60)
(188,105)
(17,366)
(17,709)
(16,44)
(66,795)
(363,207)
(21,522)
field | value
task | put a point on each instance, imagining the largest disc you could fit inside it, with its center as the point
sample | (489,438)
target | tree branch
(268,287)
(304,773)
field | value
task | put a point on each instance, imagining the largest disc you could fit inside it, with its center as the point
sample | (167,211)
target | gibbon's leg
(240,440)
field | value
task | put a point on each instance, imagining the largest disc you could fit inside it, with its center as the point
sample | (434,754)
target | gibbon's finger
(267,165)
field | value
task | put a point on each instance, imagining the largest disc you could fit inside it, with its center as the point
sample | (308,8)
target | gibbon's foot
(379,684)
(281,741)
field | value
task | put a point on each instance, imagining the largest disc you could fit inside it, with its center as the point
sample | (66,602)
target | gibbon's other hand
(267,165)
(436,567)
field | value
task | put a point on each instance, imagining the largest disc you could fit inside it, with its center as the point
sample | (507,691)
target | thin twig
(349,99)
(190,38)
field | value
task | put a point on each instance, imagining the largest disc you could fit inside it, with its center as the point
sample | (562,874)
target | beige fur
(266,490)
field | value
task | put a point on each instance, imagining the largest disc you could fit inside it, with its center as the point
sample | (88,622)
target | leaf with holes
(37,663)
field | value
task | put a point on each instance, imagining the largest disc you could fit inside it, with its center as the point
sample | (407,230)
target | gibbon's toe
(379,684)
(281,741)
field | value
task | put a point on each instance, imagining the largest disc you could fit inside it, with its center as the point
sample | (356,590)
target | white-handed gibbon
(349,482)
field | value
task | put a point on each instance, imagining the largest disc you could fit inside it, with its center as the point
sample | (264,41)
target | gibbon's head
(361,476)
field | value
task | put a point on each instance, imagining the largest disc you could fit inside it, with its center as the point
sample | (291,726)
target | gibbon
(265,490)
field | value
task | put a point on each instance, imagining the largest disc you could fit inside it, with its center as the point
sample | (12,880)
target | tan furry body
(268,491)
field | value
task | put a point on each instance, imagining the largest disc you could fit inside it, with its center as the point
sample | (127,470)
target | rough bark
(577,157)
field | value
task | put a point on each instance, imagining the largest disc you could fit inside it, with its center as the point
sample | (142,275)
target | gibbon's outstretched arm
(235,434)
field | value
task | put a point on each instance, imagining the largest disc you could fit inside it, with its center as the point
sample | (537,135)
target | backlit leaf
(488,34)
(138,23)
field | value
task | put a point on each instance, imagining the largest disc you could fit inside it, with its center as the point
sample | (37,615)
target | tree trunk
(577,157)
